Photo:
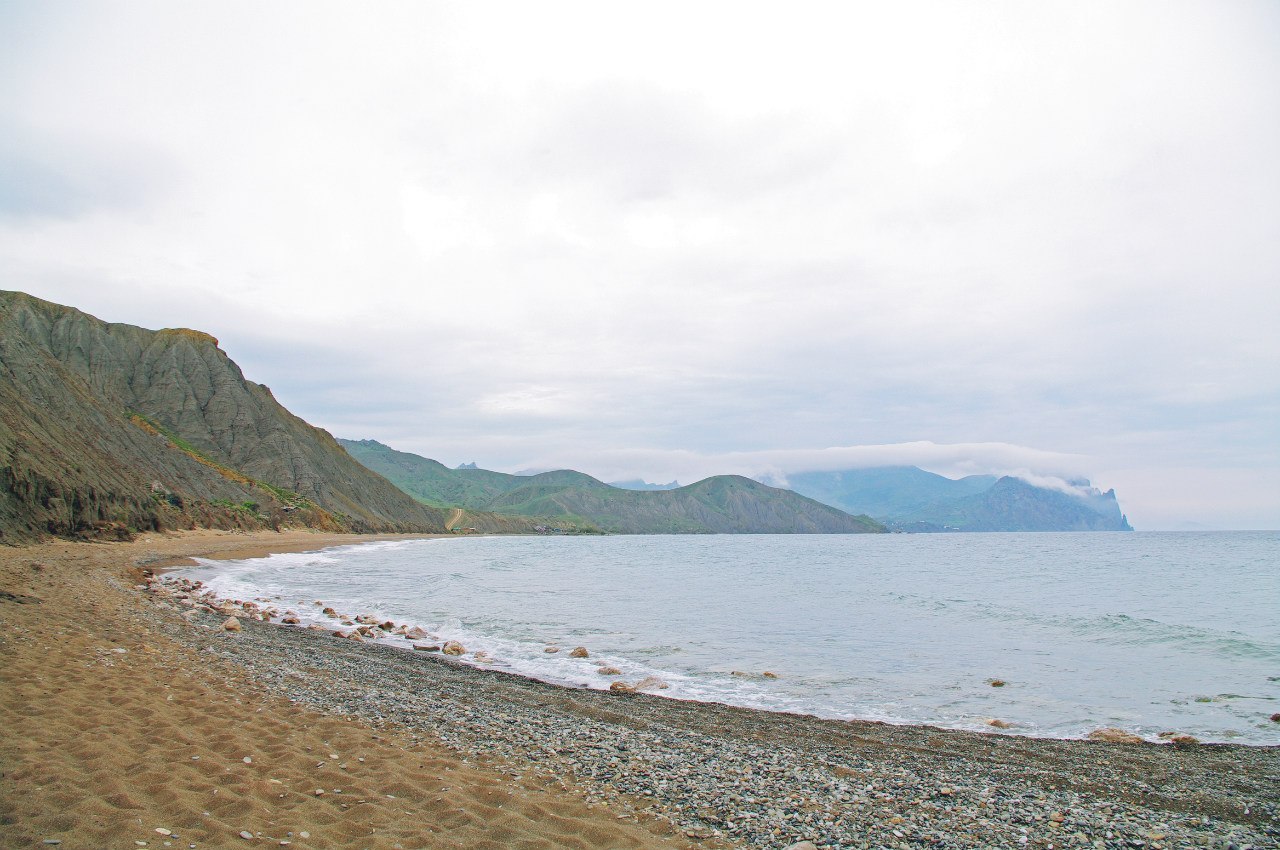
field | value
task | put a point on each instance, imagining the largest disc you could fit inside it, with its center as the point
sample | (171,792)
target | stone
(551,649)
(996,683)
(246,835)
(316,627)
(435,647)
(651,683)
(452,647)
(579,652)
(609,671)
(355,636)
(1184,740)
(997,723)
(417,633)
(1275,718)
(1112,735)
(388,626)
(329,612)
(319,792)
(231,625)
(291,621)
(622,688)
(769,674)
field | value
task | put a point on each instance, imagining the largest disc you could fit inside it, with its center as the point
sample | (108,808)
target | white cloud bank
(533,233)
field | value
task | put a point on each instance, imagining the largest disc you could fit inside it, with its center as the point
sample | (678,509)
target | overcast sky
(668,240)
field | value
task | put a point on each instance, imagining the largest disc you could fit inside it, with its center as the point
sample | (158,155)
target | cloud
(716,229)
(772,466)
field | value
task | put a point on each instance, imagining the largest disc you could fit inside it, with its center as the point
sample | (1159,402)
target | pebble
(246,834)
(759,781)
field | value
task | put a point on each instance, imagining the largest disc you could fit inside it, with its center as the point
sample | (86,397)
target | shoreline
(673,772)
(527,659)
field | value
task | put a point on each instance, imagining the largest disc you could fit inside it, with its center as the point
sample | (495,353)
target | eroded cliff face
(108,427)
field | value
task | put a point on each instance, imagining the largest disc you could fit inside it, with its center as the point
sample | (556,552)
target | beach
(121,717)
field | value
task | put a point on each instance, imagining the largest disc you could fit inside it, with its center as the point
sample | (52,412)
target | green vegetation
(722,504)
(284,496)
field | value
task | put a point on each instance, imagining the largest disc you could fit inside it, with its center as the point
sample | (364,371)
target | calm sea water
(1146,631)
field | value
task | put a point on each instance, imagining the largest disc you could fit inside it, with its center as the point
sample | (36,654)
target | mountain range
(725,504)
(907,498)
(107,429)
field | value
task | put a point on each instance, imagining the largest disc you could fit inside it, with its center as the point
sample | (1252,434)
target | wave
(1114,629)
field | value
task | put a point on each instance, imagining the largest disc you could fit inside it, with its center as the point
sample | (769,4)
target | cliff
(108,428)
(910,499)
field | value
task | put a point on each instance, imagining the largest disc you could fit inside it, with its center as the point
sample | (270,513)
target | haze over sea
(1149,631)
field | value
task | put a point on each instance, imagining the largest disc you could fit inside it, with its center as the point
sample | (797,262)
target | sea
(1055,634)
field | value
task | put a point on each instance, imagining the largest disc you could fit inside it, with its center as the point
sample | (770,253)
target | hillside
(721,504)
(911,499)
(108,428)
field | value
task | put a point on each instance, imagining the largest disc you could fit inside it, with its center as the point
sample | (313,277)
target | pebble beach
(128,707)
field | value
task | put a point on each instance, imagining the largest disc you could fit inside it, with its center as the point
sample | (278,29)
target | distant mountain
(640,484)
(722,504)
(108,428)
(910,499)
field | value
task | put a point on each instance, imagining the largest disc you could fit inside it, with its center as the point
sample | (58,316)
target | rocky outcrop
(110,428)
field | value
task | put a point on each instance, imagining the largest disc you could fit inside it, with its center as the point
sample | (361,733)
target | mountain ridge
(908,498)
(721,504)
(109,428)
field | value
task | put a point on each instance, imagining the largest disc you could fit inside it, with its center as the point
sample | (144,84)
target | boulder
(417,633)
(579,652)
(291,620)
(651,683)
(435,647)
(1184,740)
(769,674)
(387,626)
(551,649)
(452,647)
(231,624)
(997,723)
(329,612)
(622,688)
(609,671)
(1111,735)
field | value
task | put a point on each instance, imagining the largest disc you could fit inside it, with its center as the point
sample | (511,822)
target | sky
(669,240)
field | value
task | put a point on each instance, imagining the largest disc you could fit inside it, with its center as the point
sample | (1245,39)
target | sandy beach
(122,721)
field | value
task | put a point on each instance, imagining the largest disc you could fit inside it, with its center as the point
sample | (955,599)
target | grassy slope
(722,504)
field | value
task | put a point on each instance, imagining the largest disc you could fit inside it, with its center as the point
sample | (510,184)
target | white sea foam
(893,628)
